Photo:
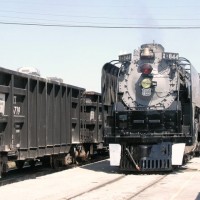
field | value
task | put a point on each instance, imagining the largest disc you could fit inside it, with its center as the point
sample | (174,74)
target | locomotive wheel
(67,159)
(32,163)
(197,154)
(54,162)
(3,165)
(46,161)
(19,164)
(1,168)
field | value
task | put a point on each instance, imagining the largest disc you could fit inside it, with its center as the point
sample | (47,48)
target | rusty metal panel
(57,117)
(20,110)
(74,95)
(50,114)
(63,119)
(41,116)
(32,114)
(5,110)
(92,118)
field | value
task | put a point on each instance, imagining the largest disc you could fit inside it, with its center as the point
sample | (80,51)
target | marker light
(146,83)
(146,68)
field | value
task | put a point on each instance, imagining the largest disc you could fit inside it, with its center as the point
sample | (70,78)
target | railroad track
(16,175)
(109,184)
(100,181)
(151,180)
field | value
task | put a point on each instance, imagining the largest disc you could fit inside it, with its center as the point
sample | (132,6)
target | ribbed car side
(46,120)
(151,109)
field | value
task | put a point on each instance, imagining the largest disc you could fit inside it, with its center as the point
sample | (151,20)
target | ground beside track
(100,181)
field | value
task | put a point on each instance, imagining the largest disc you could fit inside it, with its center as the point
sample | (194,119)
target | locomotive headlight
(146,83)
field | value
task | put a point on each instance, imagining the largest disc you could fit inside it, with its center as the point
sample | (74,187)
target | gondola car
(43,119)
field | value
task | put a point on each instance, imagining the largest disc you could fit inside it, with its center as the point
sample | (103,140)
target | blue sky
(77,54)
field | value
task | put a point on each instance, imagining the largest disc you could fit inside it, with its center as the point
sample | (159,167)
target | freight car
(151,102)
(47,120)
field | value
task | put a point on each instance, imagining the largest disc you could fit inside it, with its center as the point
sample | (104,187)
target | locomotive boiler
(151,109)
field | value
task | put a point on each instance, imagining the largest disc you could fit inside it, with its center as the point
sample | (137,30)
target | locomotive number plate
(146,92)
(170,56)
(125,57)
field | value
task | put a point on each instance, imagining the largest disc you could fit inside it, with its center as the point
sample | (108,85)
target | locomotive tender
(151,109)
(47,120)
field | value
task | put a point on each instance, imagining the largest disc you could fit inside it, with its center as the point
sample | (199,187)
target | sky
(73,39)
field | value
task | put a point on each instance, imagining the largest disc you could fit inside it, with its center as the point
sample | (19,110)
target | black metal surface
(154,157)
(148,122)
(43,117)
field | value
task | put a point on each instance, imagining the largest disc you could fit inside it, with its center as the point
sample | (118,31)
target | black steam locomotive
(46,120)
(151,102)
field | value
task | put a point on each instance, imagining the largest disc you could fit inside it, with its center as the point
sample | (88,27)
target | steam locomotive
(151,109)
